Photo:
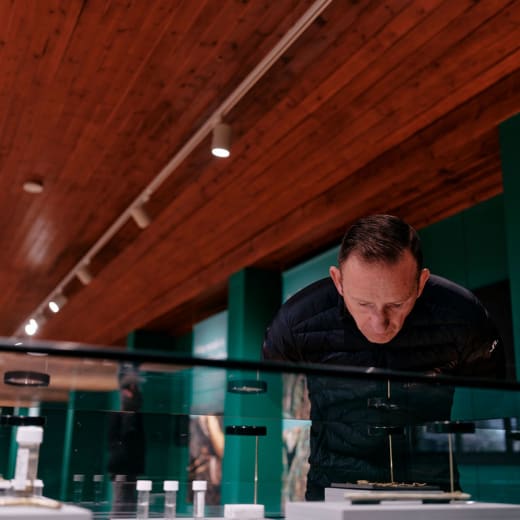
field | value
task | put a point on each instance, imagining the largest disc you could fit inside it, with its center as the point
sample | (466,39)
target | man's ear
(335,274)
(423,278)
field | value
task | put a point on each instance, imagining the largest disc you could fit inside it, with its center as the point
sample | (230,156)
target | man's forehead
(405,265)
(379,281)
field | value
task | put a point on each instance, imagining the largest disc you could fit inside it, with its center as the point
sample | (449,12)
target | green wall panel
(253,298)
(307,272)
(485,241)
(166,407)
(470,247)
(444,249)
(509,132)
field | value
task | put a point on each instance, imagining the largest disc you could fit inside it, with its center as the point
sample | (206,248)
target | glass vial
(29,439)
(143,498)
(170,488)
(97,488)
(78,483)
(199,497)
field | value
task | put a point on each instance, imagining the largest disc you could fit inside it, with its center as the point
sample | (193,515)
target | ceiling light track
(202,133)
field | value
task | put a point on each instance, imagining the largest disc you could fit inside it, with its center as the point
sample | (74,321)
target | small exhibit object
(364,492)
(244,511)
(384,496)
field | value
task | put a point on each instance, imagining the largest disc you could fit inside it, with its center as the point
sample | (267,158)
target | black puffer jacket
(448,332)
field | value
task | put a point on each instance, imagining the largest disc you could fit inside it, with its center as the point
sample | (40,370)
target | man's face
(379,296)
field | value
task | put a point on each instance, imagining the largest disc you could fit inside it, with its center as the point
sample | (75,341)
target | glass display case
(152,434)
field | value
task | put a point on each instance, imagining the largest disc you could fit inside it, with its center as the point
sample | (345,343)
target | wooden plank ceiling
(379,106)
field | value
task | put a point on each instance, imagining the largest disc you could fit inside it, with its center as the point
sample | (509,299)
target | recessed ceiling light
(33,186)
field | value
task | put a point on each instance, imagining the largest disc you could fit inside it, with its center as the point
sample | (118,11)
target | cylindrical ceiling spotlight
(141,217)
(56,304)
(84,275)
(221,141)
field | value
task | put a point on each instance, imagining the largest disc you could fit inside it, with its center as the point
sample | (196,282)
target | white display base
(65,512)
(244,511)
(400,511)
(231,511)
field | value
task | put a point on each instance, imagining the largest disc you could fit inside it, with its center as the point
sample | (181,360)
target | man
(381,308)
(127,442)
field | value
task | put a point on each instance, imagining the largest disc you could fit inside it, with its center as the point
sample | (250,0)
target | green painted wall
(307,272)
(470,247)
(210,341)
(5,445)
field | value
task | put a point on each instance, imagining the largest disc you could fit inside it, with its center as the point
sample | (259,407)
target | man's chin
(380,338)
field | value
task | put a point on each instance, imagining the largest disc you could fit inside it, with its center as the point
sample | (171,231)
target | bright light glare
(31,327)
(53,306)
(220,152)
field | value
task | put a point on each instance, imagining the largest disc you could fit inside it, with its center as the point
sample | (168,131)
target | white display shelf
(401,511)
(66,512)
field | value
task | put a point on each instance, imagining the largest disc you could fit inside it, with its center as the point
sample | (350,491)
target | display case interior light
(26,378)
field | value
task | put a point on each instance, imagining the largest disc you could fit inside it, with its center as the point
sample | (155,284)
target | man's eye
(396,305)
(363,304)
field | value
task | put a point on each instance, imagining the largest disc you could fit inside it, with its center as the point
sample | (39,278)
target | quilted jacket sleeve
(483,352)
(279,342)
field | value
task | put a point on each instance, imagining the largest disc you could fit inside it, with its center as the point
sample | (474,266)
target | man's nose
(379,320)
